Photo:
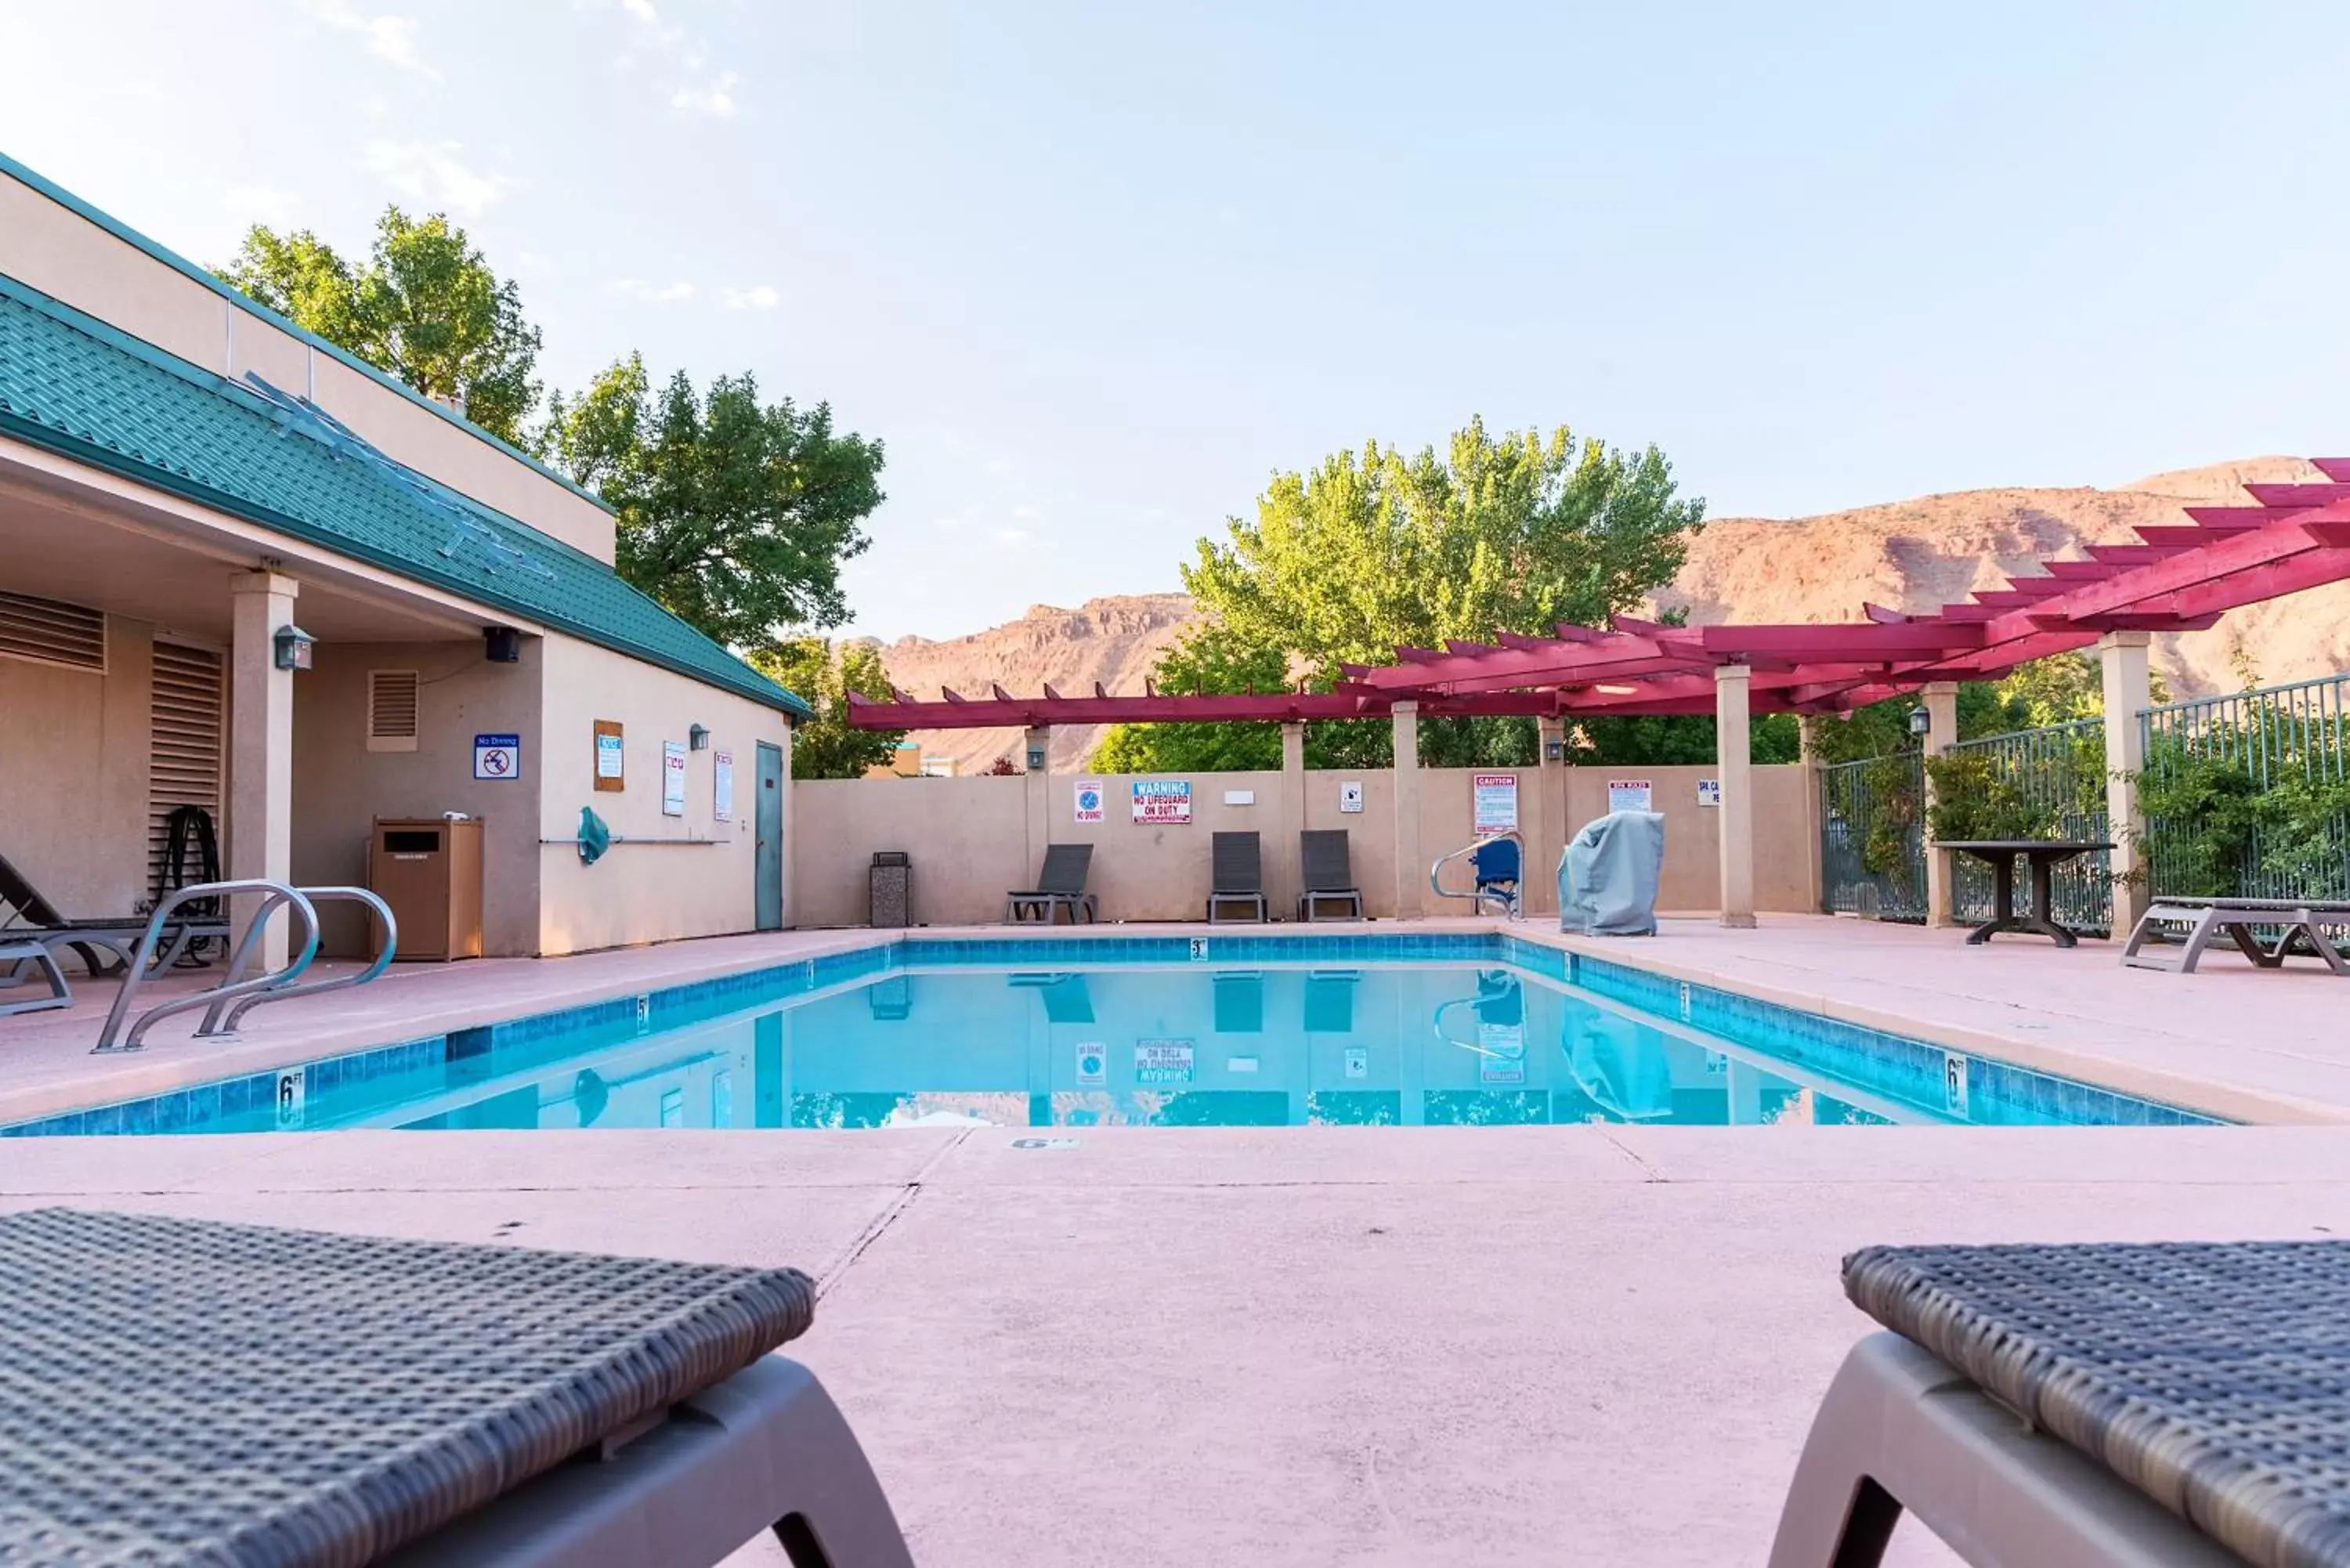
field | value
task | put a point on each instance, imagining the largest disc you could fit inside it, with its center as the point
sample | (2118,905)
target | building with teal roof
(242,571)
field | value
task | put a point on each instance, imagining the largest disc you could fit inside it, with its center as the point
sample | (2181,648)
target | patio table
(2043,855)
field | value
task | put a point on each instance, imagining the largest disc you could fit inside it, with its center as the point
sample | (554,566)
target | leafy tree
(735,515)
(1670,739)
(1374,550)
(826,747)
(1209,660)
(426,307)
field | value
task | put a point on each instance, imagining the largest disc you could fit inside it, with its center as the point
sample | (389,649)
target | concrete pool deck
(2264,1046)
(1507,1345)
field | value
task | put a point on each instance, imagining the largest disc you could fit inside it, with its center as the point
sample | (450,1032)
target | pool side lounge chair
(2300,922)
(1236,876)
(1061,885)
(409,1403)
(2179,1405)
(105,946)
(22,962)
(1326,876)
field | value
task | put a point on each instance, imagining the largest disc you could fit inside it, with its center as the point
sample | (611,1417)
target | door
(770,868)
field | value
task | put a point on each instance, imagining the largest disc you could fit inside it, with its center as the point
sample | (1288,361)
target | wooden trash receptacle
(430,871)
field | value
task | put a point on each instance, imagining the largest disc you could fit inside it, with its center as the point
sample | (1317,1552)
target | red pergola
(2177,578)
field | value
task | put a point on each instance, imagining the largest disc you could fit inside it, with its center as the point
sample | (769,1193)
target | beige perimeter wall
(972,839)
(690,875)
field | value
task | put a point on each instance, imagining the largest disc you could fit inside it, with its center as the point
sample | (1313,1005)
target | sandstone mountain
(1910,555)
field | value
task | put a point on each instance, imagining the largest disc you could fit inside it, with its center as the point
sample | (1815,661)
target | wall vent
(391,711)
(52,631)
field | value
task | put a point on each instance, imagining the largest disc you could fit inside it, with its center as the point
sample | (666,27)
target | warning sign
(497,756)
(1089,799)
(1162,800)
(1495,796)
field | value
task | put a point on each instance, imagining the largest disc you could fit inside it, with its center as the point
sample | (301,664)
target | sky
(1094,273)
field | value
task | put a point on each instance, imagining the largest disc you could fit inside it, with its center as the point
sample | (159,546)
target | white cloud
(643,11)
(999,465)
(1024,513)
(763,297)
(1014,538)
(650,293)
(389,38)
(433,174)
(716,98)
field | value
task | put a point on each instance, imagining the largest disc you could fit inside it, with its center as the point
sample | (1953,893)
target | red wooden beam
(2298,495)
(2190,569)
(1529,665)
(2332,467)
(1846,641)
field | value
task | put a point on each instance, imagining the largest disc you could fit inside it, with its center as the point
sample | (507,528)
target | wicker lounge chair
(1060,886)
(2180,1405)
(2299,923)
(1326,876)
(183,1391)
(1236,876)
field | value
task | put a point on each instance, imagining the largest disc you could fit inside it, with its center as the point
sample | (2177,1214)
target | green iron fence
(2057,775)
(1872,850)
(2249,795)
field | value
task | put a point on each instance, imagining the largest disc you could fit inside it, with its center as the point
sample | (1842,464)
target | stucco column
(2122,659)
(1038,784)
(260,745)
(1941,703)
(1814,785)
(1411,871)
(1733,751)
(1288,872)
(1546,837)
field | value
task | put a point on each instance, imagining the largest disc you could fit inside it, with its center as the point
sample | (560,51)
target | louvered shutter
(183,747)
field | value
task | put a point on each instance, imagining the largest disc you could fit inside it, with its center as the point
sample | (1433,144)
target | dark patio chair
(425,1403)
(1060,886)
(1236,876)
(106,947)
(2090,1405)
(1326,876)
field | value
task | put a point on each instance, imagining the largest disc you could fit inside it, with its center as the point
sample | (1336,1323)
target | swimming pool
(1473,1029)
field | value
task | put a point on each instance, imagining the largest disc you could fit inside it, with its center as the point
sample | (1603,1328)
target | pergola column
(1941,703)
(1733,750)
(2128,679)
(1547,841)
(1409,868)
(261,746)
(1036,760)
(1289,873)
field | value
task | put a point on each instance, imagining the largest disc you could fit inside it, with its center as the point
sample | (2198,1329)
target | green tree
(735,515)
(826,747)
(1373,550)
(1206,660)
(426,307)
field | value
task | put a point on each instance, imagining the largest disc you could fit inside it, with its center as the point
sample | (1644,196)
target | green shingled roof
(77,386)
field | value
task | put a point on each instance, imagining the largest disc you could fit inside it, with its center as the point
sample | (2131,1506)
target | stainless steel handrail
(215,1025)
(273,894)
(1512,904)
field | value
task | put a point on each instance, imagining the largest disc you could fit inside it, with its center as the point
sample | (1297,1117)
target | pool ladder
(1511,902)
(220,1019)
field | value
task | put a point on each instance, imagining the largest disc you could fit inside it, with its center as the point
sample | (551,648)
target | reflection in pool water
(1430,1045)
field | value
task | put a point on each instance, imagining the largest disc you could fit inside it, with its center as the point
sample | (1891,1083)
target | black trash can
(890,891)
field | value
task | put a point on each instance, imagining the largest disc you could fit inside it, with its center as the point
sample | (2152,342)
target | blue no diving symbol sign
(497,756)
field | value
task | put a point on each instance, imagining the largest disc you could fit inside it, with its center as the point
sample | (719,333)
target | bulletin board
(610,760)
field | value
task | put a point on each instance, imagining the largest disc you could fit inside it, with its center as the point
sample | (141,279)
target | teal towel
(594,837)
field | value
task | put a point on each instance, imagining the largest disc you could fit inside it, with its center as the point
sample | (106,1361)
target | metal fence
(2258,784)
(1872,845)
(2057,774)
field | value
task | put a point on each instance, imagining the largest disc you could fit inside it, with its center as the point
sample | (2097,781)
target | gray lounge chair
(1060,886)
(2091,1407)
(189,1391)
(2298,921)
(1326,876)
(1236,876)
(23,962)
(27,915)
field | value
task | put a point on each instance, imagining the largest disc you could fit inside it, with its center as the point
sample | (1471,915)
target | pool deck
(1509,1346)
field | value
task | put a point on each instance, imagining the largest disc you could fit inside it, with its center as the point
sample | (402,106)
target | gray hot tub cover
(1608,878)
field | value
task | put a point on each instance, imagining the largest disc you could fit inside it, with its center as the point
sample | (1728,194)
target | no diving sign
(497,756)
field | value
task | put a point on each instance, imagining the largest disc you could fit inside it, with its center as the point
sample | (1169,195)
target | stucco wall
(647,891)
(967,836)
(76,261)
(969,840)
(340,787)
(73,776)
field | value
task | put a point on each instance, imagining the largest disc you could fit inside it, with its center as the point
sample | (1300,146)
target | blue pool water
(1467,1030)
